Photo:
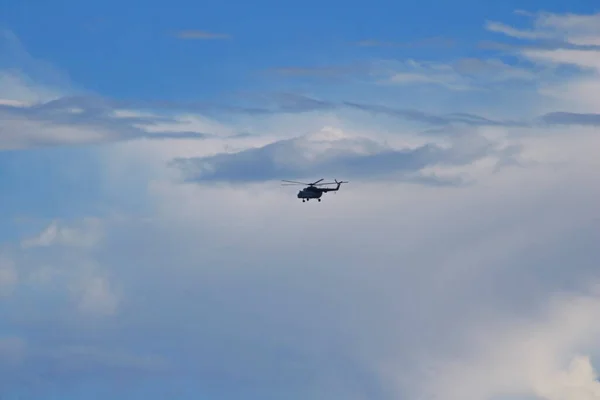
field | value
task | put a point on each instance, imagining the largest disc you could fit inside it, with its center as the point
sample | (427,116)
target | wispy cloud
(546,44)
(570,118)
(427,42)
(93,120)
(333,153)
(87,235)
(201,35)
(517,33)
(570,28)
(77,120)
(319,72)
(464,119)
(461,74)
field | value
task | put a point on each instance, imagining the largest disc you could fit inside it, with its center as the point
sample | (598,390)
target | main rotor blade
(314,183)
(296,183)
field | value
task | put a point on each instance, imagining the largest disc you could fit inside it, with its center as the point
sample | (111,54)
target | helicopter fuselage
(310,193)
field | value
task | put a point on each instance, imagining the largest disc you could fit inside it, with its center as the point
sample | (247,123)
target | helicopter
(312,191)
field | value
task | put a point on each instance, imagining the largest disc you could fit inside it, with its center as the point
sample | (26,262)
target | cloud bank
(460,262)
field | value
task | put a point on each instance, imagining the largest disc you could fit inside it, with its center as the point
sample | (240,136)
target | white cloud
(88,235)
(544,358)
(577,29)
(589,59)
(361,267)
(16,88)
(57,267)
(40,106)
(22,133)
(521,34)
(26,79)
(189,123)
(333,152)
(576,92)
(462,74)
(244,285)
(95,295)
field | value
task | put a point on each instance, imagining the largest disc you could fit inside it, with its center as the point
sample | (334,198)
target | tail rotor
(339,183)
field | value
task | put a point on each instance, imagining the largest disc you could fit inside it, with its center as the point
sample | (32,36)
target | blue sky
(147,248)
(102,46)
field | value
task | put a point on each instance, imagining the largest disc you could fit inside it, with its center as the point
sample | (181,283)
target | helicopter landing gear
(305,200)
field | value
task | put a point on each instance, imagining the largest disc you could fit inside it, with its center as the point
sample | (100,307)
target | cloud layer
(459,262)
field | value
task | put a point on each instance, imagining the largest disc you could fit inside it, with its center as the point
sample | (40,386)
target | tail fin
(339,183)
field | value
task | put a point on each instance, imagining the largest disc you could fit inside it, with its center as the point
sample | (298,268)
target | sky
(148,249)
